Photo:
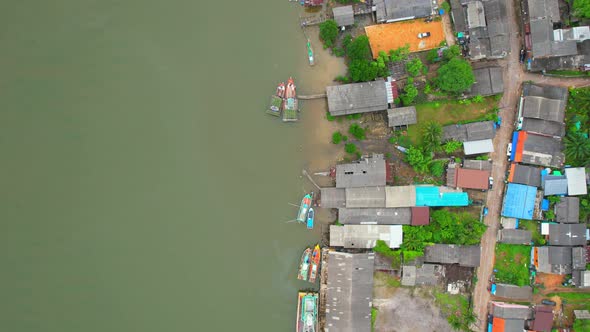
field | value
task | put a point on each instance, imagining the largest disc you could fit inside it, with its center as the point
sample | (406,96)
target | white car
(519,123)
(509,150)
(491,182)
(423,35)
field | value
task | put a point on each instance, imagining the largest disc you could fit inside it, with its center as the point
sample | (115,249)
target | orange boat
(315,263)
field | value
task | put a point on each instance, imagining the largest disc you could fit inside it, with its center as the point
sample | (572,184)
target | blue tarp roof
(519,201)
(514,143)
(545,205)
(431,196)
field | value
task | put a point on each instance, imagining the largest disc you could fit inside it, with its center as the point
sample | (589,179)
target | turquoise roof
(431,196)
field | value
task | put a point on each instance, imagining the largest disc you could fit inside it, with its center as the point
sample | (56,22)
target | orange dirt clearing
(550,280)
(390,36)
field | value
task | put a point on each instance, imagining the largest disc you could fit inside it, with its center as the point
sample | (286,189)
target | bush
(357,131)
(417,159)
(414,67)
(342,79)
(437,168)
(330,117)
(410,93)
(359,49)
(427,88)
(328,32)
(432,56)
(456,76)
(336,138)
(452,146)
(400,53)
(451,52)
(339,52)
(477,99)
(445,5)
(350,148)
(410,255)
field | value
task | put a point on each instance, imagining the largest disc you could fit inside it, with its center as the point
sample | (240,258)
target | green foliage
(445,5)
(451,52)
(400,53)
(382,62)
(417,159)
(410,255)
(582,325)
(577,149)
(456,76)
(452,146)
(582,8)
(342,79)
(347,1)
(549,215)
(357,131)
(328,32)
(410,93)
(350,148)
(346,41)
(363,70)
(359,49)
(427,87)
(382,248)
(512,264)
(477,99)
(374,312)
(482,157)
(339,52)
(414,67)
(330,117)
(535,230)
(457,160)
(431,135)
(437,168)
(432,56)
(553,199)
(336,138)
(456,308)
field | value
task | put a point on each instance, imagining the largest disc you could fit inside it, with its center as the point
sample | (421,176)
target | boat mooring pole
(310,179)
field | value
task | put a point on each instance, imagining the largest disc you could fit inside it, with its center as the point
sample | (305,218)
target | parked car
(509,150)
(423,35)
(522,55)
(519,123)
(548,302)
(491,181)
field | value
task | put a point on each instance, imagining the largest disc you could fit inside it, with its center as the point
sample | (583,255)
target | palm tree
(431,135)
(577,149)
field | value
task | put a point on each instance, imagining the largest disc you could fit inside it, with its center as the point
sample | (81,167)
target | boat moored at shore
(304,265)
(307,312)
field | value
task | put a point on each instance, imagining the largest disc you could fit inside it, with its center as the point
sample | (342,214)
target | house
(478,147)
(514,236)
(534,149)
(313,3)
(543,109)
(365,197)
(357,98)
(365,236)
(367,172)
(510,311)
(551,259)
(427,274)
(506,325)
(349,292)
(584,279)
(567,210)
(519,201)
(440,196)
(554,185)
(576,181)
(380,216)
(402,116)
(484,165)
(567,234)
(453,254)
(579,258)
(543,318)
(523,174)
(332,198)
(474,131)
(582,314)
(488,81)
(512,292)
(393,11)
(344,16)
(420,216)
(567,62)
(470,178)
(400,196)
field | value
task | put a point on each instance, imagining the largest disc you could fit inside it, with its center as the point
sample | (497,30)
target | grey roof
(365,197)
(543,40)
(366,172)
(392,10)
(582,314)
(474,131)
(357,98)
(576,181)
(546,91)
(584,279)
(475,15)
(514,292)
(381,216)
(542,151)
(513,325)
(478,147)
(567,234)
(543,127)
(510,311)
(579,258)
(556,260)
(453,254)
(544,8)
(488,81)
(400,196)
(365,236)
(544,108)
(344,16)
(349,292)
(568,210)
(554,185)
(459,16)
(514,236)
(485,165)
(528,175)
(332,198)
(402,116)
(427,274)
(489,39)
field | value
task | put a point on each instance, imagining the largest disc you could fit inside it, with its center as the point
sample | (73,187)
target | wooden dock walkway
(312,20)
(323,287)
(309,97)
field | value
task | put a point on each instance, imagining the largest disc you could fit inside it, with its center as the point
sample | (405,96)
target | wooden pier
(309,97)
(323,287)
(312,20)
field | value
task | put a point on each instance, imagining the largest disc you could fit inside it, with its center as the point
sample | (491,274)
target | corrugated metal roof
(433,196)
(474,131)
(332,198)
(367,172)
(475,15)
(488,81)
(472,179)
(567,234)
(390,10)
(568,210)
(357,98)
(514,292)
(366,197)
(544,108)
(402,116)
(514,236)
(576,181)
(543,127)
(510,311)
(519,201)
(400,196)
(420,216)
(381,216)
(344,16)
(543,318)
(365,236)
(554,185)
(527,175)
(453,254)
(485,165)
(478,147)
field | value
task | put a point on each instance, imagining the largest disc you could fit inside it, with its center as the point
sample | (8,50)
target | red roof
(543,318)
(313,2)
(498,324)
(420,215)
(472,178)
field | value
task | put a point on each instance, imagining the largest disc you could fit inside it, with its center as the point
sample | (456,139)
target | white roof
(478,147)
(545,228)
(576,181)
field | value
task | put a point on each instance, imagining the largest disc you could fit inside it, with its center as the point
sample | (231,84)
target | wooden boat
(307,312)
(315,263)
(310,216)
(281,90)
(304,207)
(310,53)
(291,90)
(304,265)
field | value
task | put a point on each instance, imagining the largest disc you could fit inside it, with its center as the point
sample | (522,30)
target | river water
(143,187)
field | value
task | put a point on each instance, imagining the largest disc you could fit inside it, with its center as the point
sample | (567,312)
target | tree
(328,32)
(362,70)
(432,56)
(431,135)
(455,76)
(582,8)
(417,159)
(400,53)
(357,131)
(445,5)
(410,92)
(577,149)
(451,52)
(359,49)
(452,146)
(350,148)
(437,168)
(336,137)
(382,62)
(414,67)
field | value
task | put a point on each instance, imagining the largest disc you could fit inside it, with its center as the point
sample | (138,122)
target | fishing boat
(291,88)
(290,103)
(310,216)
(304,207)
(315,263)
(281,90)
(304,265)
(307,312)
(310,53)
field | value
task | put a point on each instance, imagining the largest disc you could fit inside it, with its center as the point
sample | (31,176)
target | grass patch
(535,229)
(512,263)
(456,309)
(572,297)
(568,73)
(374,312)
(449,112)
